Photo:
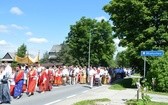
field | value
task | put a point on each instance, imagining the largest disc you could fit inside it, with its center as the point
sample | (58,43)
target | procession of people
(15,81)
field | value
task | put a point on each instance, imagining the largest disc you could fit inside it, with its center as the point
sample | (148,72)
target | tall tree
(140,25)
(45,58)
(98,34)
(21,51)
(64,55)
(122,59)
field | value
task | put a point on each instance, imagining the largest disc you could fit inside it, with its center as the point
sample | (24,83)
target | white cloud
(37,40)
(3,29)
(29,33)
(3,42)
(7,48)
(101,18)
(18,27)
(16,11)
(11,27)
(118,49)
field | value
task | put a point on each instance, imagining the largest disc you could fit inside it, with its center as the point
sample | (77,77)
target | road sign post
(144,66)
(155,53)
(152,53)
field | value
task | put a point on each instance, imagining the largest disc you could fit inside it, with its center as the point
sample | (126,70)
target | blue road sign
(152,53)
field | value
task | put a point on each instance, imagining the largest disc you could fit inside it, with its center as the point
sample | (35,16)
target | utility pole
(89,50)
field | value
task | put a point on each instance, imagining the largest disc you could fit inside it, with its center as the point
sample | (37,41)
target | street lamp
(89,50)
(89,46)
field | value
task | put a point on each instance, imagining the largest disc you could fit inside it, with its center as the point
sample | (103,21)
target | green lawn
(92,102)
(130,83)
(140,102)
(124,83)
(136,74)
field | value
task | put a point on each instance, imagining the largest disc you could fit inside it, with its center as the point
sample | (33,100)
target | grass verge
(92,102)
(136,74)
(140,102)
(124,83)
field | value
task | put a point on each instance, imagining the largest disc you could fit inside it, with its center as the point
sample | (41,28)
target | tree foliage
(122,59)
(64,55)
(140,24)
(21,51)
(102,45)
(159,71)
(45,58)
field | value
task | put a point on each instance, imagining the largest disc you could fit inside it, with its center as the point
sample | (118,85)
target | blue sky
(42,23)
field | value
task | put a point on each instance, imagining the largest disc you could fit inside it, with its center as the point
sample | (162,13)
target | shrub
(159,71)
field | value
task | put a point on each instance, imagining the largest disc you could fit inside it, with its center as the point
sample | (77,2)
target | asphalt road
(52,97)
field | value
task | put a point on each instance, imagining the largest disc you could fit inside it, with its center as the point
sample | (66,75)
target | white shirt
(101,72)
(65,72)
(11,79)
(8,71)
(105,72)
(97,76)
(91,72)
(39,69)
(76,70)
(1,77)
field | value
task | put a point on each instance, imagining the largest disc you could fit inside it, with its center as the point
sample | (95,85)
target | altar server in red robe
(42,81)
(32,78)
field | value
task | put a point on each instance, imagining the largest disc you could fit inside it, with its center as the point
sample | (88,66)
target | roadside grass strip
(140,102)
(124,83)
(93,102)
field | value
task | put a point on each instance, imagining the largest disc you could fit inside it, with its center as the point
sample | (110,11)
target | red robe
(42,81)
(58,79)
(32,78)
(50,79)
(19,76)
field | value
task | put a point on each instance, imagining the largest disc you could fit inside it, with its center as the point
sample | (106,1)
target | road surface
(52,97)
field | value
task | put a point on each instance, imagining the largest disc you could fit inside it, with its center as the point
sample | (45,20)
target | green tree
(64,55)
(101,42)
(45,58)
(21,51)
(140,25)
(159,72)
(122,60)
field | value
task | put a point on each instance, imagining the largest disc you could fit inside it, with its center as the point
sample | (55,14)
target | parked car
(119,73)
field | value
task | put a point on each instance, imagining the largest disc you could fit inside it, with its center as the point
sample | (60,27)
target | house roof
(55,48)
(9,55)
(12,54)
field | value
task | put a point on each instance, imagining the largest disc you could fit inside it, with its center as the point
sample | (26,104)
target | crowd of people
(29,79)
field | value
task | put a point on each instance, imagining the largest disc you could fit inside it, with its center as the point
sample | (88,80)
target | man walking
(91,75)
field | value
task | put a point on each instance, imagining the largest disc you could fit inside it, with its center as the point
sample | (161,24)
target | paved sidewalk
(159,98)
(117,97)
